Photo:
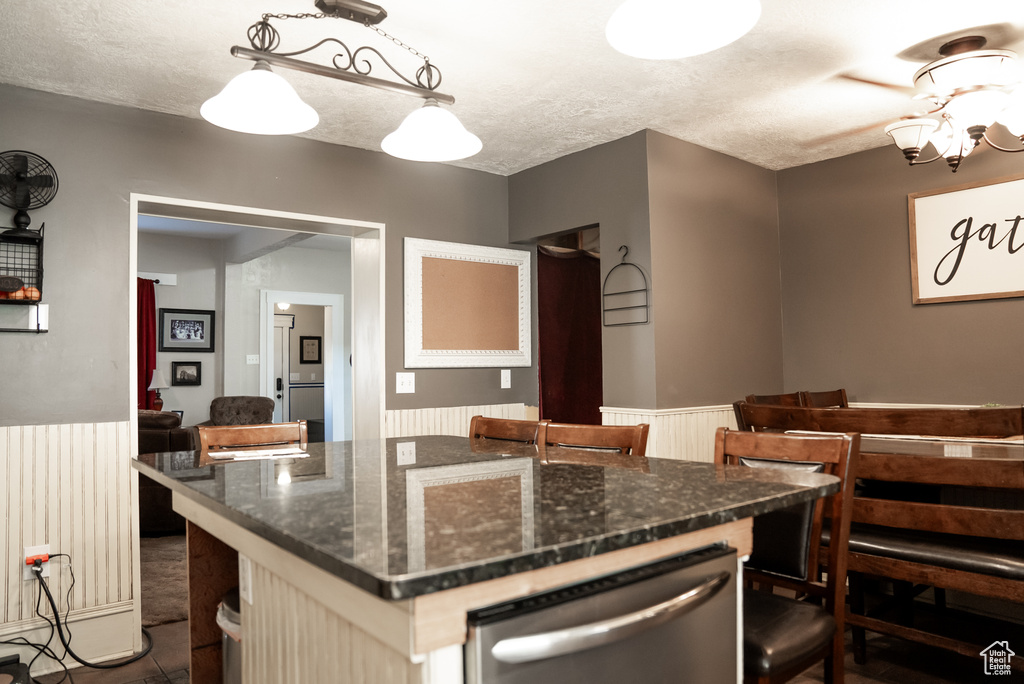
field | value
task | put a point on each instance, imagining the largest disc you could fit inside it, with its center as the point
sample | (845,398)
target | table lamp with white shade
(156,384)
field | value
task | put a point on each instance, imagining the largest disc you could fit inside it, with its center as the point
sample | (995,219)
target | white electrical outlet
(35,551)
(506,378)
(405,383)
(406,453)
(252,359)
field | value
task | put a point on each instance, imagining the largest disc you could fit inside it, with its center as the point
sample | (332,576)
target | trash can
(229,619)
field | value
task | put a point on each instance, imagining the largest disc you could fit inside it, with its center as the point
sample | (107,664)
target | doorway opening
(569,326)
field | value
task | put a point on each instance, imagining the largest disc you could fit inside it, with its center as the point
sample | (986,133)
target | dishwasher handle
(525,649)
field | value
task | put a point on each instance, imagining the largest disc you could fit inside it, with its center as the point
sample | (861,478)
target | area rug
(164,580)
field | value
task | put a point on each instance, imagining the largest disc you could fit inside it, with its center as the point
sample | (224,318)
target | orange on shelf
(17,294)
(32,293)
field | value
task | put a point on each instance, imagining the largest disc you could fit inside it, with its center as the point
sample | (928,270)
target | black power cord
(37,571)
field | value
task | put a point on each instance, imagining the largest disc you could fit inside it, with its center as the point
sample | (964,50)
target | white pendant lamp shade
(259,101)
(912,134)
(431,133)
(672,29)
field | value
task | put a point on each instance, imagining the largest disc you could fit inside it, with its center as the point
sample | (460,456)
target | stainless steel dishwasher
(673,621)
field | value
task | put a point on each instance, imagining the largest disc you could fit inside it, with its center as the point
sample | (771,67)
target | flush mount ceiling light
(972,89)
(262,102)
(672,29)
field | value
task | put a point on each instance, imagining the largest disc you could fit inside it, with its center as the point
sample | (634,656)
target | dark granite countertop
(401,524)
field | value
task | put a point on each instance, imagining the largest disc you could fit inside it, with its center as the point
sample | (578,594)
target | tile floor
(167,663)
(890,661)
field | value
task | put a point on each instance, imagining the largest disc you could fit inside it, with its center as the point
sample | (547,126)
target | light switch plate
(294,377)
(506,378)
(406,453)
(245,579)
(252,359)
(405,383)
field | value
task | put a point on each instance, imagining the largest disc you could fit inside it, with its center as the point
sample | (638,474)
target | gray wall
(200,269)
(847,309)
(716,284)
(102,153)
(704,229)
(604,185)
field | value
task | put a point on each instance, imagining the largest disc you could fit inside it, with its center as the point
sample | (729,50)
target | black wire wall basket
(625,296)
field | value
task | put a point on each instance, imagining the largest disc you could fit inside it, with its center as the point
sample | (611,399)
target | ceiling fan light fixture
(260,102)
(431,134)
(977,108)
(911,135)
(968,70)
(673,29)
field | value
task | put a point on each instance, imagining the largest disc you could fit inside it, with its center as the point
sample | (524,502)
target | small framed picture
(186,373)
(181,414)
(186,330)
(309,349)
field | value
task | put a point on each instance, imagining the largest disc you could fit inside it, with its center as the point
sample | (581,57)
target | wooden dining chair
(783,636)
(828,399)
(790,399)
(213,438)
(528,431)
(626,439)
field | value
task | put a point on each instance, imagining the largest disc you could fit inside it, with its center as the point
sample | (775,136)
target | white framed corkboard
(466,305)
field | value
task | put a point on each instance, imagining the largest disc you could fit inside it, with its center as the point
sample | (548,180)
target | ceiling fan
(975,94)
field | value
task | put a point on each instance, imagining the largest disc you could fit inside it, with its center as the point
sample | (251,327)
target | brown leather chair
(783,636)
(160,431)
(626,439)
(528,431)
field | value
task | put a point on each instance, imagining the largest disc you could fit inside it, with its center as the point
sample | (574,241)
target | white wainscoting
(686,434)
(446,420)
(70,486)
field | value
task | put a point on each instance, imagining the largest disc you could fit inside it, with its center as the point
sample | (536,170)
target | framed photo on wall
(309,349)
(466,306)
(186,330)
(185,373)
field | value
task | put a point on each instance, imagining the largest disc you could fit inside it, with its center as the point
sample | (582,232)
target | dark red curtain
(146,316)
(569,295)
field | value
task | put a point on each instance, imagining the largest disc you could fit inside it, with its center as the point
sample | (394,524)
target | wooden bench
(927,514)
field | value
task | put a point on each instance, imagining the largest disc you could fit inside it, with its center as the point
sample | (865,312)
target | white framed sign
(466,305)
(967,242)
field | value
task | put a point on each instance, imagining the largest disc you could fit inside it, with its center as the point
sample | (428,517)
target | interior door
(281,354)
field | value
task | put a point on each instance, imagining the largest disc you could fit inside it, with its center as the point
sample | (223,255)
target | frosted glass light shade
(979,108)
(911,134)
(1013,117)
(261,102)
(432,134)
(672,29)
(975,68)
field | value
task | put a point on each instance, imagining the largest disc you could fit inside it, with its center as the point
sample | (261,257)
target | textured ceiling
(534,80)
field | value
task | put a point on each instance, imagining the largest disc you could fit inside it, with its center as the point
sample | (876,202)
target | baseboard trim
(100,634)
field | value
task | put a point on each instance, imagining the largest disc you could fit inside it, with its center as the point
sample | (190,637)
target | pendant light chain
(397,42)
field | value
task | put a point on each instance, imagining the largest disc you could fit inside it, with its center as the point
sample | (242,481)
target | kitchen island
(361,560)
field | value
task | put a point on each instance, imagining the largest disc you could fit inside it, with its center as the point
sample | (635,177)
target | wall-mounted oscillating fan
(27,181)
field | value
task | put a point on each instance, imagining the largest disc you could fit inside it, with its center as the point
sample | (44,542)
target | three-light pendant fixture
(262,102)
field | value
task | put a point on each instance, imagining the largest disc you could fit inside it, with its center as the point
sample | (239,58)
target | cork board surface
(470,305)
